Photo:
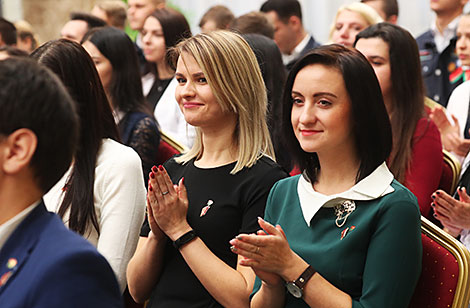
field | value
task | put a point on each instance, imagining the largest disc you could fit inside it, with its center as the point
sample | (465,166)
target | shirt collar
(7,228)
(297,50)
(375,185)
(451,27)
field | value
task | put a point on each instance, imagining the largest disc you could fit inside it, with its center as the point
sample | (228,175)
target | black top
(235,203)
(156,91)
(140,131)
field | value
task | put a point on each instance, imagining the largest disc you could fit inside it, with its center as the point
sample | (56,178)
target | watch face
(294,290)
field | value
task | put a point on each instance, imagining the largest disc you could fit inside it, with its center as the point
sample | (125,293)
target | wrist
(178,231)
(294,268)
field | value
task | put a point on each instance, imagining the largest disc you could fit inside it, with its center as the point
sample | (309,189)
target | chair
(444,280)
(450,173)
(167,148)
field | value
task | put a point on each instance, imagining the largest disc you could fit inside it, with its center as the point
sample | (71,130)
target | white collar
(118,115)
(375,185)
(451,27)
(7,228)
(297,50)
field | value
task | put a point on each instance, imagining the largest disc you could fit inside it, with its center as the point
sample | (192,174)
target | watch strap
(304,277)
(184,239)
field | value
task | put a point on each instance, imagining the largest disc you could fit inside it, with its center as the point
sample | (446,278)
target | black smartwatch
(296,287)
(184,239)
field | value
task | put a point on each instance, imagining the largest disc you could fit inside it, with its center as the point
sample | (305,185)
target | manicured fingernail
(238,237)
(232,248)
(232,241)
(152,175)
(150,187)
(438,192)
(433,205)
(260,218)
(154,169)
(434,197)
(182,180)
(460,188)
(160,168)
(435,215)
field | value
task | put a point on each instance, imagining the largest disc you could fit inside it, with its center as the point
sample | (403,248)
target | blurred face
(447,6)
(378,6)
(347,26)
(138,11)
(196,100)
(96,11)
(154,46)
(321,111)
(463,40)
(74,30)
(378,54)
(209,26)
(103,66)
(284,35)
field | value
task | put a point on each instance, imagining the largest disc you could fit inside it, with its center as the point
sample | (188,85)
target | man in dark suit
(289,33)
(42,264)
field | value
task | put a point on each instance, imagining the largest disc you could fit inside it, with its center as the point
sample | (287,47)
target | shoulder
(113,152)
(426,128)
(266,169)
(424,38)
(400,203)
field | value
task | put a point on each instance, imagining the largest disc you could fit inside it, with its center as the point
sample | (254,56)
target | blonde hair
(367,12)
(232,72)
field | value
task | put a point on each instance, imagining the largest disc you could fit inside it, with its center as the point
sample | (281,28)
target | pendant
(206,208)
(342,211)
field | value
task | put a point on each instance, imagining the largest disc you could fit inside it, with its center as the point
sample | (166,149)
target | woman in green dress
(344,233)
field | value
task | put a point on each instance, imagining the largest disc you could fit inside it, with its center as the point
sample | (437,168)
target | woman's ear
(17,150)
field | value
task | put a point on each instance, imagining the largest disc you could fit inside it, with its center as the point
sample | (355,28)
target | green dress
(375,257)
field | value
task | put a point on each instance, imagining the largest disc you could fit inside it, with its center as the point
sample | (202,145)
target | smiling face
(463,40)
(103,65)
(153,40)
(348,24)
(377,53)
(196,99)
(321,111)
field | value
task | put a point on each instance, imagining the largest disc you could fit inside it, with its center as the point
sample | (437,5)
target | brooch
(206,208)
(342,211)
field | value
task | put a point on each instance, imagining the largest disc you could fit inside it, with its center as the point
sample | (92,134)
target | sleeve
(424,174)
(257,196)
(145,140)
(82,279)
(122,201)
(394,256)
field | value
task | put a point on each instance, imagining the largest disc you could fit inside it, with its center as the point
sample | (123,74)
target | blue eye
(180,80)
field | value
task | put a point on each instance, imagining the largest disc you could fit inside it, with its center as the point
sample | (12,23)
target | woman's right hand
(155,229)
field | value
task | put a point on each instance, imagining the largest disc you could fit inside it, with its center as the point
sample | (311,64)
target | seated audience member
(113,12)
(121,81)
(253,22)
(26,38)
(331,233)
(102,195)
(455,135)
(274,76)
(79,24)
(387,9)
(454,213)
(7,33)
(350,20)
(416,159)
(10,51)
(227,178)
(218,17)
(163,29)
(42,263)
(289,33)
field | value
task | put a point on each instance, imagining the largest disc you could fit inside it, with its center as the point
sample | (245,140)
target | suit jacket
(43,264)
(310,45)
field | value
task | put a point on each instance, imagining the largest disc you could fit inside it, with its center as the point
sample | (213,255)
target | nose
(308,114)
(188,90)
(461,43)
(344,32)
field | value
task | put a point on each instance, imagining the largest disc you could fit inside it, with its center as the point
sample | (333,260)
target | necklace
(342,211)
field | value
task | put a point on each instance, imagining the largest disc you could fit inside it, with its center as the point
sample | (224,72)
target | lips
(309,132)
(192,105)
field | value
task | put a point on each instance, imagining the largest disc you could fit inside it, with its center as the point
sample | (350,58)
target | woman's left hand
(267,253)
(169,203)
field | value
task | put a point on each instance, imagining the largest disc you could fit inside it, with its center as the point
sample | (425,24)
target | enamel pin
(206,208)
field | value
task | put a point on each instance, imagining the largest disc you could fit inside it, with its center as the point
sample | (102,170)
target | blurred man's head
(79,24)
(387,9)
(139,10)
(7,33)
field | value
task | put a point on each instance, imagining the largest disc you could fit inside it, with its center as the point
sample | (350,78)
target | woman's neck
(219,147)
(338,172)
(164,70)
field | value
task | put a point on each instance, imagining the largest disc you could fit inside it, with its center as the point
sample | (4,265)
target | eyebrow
(195,75)
(317,94)
(375,58)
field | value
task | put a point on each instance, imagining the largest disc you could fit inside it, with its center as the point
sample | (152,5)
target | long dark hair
(371,126)
(125,90)
(407,89)
(77,71)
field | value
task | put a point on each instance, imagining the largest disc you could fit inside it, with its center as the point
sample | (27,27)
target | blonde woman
(350,20)
(199,201)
